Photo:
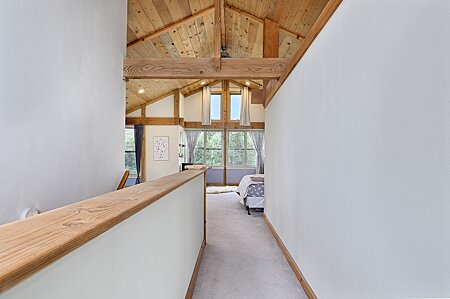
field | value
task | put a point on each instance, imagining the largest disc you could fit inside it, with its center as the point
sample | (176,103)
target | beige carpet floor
(241,258)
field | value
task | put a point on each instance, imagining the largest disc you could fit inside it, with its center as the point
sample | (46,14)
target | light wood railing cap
(27,246)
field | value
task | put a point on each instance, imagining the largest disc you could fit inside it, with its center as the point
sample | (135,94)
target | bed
(251,191)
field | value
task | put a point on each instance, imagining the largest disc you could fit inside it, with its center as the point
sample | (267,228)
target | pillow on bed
(257,178)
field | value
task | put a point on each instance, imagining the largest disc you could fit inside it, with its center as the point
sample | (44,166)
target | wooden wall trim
(219,125)
(173,26)
(198,68)
(191,287)
(301,278)
(326,14)
(29,245)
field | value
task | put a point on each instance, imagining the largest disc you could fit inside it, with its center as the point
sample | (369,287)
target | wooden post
(271,35)
(225,109)
(144,146)
(218,33)
(176,104)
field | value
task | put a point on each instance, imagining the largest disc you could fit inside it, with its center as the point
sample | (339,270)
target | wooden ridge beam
(230,125)
(198,68)
(323,18)
(173,26)
(261,21)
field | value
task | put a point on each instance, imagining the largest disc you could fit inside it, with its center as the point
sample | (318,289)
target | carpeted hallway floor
(241,258)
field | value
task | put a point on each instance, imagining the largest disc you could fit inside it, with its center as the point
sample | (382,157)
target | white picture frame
(161,148)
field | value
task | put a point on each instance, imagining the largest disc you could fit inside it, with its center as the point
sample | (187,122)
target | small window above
(216,100)
(235,107)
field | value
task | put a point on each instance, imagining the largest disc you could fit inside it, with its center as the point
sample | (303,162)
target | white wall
(157,169)
(62,102)
(136,113)
(193,107)
(358,186)
(150,255)
(162,108)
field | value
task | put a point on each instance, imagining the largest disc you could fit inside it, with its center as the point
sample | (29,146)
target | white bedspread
(245,183)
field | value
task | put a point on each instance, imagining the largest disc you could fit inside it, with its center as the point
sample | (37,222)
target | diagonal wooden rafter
(198,68)
(173,26)
(149,102)
(261,21)
(326,14)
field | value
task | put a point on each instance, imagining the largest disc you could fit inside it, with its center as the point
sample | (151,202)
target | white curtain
(206,106)
(258,142)
(191,141)
(246,98)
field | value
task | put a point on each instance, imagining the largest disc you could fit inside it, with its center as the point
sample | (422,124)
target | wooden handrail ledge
(27,246)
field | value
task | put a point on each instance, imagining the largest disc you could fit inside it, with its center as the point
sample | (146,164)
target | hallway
(241,258)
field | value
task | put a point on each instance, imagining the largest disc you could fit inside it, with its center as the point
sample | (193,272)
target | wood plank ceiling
(194,36)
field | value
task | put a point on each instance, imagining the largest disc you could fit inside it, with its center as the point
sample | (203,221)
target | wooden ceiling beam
(199,68)
(217,34)
(326,14)
(261,21)
(173,26)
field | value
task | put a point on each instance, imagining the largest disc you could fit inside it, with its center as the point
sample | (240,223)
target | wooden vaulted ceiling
(185,28)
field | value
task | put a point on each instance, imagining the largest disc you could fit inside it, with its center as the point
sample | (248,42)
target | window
(235,107)
(216,100)
(241,152)
(130,152)
(209,149)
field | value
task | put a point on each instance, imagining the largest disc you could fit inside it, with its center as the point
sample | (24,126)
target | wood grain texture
(191,287)
(29,245)
(231,125)
(301,278)
(152,121)
(123,180)
(173,26)
(197,68)
(326,14)
(144,147)
(185,28)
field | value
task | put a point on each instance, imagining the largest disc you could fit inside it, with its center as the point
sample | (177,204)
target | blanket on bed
(245,183)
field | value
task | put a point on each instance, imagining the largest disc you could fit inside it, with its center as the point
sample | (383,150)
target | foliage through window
(235,107)
(130,152)
(241,151)
(216,100)
(209,148)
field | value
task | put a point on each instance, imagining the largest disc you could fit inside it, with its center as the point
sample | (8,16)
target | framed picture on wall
(161,148)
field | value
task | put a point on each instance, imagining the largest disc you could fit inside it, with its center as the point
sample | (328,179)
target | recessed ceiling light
(247,83)
(203,83)
(141,91)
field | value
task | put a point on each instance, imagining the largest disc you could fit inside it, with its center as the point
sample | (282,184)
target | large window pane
(236,157)
(236,140)
(198,156)
(129,139)
(215,106)
(130,163)
(251,158)
(214,155)
(235,107)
